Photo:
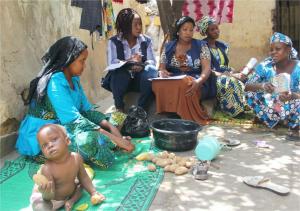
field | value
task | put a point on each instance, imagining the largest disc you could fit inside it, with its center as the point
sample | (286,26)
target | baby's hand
(97,198)
(46,188)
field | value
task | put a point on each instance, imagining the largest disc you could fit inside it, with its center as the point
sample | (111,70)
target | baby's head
(53,141)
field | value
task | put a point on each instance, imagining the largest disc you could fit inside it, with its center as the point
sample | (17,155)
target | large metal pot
(175,134)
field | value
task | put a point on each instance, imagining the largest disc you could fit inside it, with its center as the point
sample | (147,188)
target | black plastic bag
(105,82)
(136,123)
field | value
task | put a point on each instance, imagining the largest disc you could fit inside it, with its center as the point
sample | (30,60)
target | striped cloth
(220,10)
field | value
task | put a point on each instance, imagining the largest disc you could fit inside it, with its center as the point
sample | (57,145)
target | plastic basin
(175,134)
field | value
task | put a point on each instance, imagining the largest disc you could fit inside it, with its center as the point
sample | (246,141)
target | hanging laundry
(91,15)
(108,19)
(220,10)
(118,1)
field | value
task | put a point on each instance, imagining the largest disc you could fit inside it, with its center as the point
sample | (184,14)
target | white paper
(115,66)
(282,82)
(169,78)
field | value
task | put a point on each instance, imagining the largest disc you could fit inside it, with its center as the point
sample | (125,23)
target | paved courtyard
(224,190)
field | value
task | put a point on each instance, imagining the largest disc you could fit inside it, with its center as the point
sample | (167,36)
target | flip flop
(265,183)
(232,142)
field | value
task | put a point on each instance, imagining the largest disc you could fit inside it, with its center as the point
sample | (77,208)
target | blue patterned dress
(264,106)
(70,108)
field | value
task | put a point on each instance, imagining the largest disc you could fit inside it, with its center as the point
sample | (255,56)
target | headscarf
(180,22)
(60,55)
(279,37)
(204,23)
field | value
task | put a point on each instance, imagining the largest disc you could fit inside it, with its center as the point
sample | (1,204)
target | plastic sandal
(265,183)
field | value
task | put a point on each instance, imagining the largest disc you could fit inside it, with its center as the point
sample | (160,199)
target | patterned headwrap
(204,23)
(279,37)
(61,54)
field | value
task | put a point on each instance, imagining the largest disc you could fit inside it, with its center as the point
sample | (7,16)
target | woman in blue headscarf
(56,96)
(230,88)
(271,106)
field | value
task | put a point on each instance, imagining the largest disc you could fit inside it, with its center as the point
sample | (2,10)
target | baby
(57,186)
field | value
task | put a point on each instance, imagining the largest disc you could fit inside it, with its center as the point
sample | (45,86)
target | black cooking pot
(175,134)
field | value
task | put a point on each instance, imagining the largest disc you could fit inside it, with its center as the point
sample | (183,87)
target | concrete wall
(249,34)
(28,27)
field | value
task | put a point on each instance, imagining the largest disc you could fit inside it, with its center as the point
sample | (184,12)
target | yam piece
(162,162)
(96,199)
(143,156)
(40,179)
(181,170)
(151,167)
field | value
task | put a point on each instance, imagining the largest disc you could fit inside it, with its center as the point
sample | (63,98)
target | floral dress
(268,108)
(70,108)
(230,91)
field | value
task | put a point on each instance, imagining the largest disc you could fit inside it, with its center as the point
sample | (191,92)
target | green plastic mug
(208,148)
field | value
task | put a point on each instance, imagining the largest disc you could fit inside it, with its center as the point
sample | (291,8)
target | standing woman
(184,56)
(56,97)
(130,45)
(274,107)
(230,88)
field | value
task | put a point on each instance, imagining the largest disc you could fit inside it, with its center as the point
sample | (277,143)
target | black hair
(124,21)
(180,22)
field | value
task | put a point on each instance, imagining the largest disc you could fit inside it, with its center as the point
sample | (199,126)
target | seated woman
(274,107)
(57,97)
(136,48)
(184,56)
(230,89)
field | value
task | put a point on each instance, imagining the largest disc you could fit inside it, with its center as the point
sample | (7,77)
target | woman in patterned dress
(230,88)
(184,56)
(56,96)
(269,106)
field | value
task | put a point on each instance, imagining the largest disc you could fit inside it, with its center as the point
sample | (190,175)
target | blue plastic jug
(208,148)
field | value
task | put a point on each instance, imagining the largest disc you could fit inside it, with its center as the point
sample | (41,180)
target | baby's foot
(77,194)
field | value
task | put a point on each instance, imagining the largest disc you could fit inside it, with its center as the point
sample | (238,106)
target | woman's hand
(164,73)
(285,96)
(137,68)
(119,141)
(195,86)
(136,58)
(268,87)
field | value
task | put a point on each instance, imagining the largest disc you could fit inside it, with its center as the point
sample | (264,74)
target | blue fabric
(265,107)
(67,104)
(193,56)
(209,89)
(279,37)
(121,82)
(264,72)
(27,143)
(215,64)
(112,57)
(120,48)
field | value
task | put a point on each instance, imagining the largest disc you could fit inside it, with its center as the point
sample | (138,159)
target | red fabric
(170,97)
(220,10)
(118,1)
